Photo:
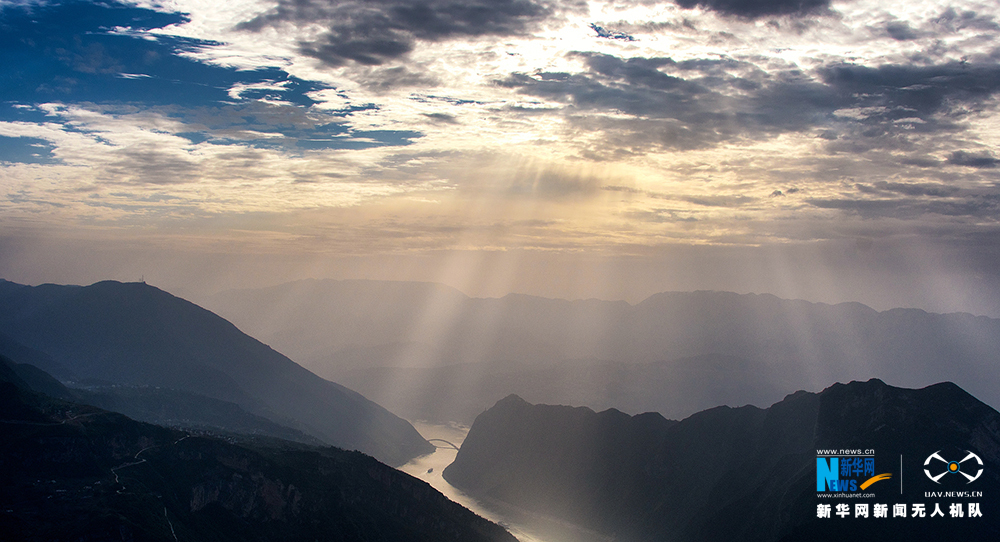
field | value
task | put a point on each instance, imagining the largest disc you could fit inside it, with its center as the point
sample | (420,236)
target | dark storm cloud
(915,91)
(901,31)
(976,160)
(754,9)
(700,103)
(671,111)
(373,32)
(692,107)
(920,161)
(894,104)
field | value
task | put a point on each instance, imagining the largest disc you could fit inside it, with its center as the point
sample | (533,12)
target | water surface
(524,525)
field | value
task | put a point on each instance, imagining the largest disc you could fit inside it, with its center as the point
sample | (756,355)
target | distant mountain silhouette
(32,378)
(390,340)
(461,392)
(29,356)
(136,335)
(160,406)
(330,324)
(735,474)
(75,472)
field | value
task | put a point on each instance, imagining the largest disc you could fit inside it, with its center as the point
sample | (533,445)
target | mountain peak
(724,473)
(139,335)
(512,400)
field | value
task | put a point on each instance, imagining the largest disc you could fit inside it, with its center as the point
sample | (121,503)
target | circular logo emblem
(971,471)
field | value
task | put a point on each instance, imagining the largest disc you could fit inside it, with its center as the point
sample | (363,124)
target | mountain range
(744,473)
(74,472)
(427,351)
(139,349)
(245,456)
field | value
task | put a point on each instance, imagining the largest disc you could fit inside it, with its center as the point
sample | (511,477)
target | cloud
(915,91)
(611,34)
(374,32)
(901,31)
(952,20)
(149,164)
(443,118)
(909,189)
(718,201)
(755,9)
(980,160)
(381,79)
(138,109)
(902,209)
(642,103)
(670,110)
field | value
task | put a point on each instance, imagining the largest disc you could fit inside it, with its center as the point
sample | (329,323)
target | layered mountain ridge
(405,345)
(734,473)
(135,335)
(75,472)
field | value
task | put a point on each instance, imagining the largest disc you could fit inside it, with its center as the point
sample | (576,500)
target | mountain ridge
(76,472)
(388,333)
(729,473)
(136,334)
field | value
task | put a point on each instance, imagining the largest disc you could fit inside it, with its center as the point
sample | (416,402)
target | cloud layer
(373,32)
(502,124)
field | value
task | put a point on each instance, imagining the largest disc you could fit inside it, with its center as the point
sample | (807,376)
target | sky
(825,150)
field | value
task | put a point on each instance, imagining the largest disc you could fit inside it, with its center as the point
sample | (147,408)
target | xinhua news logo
(846,471)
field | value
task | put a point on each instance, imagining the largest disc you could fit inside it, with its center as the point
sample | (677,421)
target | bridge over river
(449,444)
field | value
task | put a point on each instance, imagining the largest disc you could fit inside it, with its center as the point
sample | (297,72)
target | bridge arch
(449,444)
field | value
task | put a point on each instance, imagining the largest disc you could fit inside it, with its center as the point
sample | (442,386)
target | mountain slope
(138,335)
(160,406)
(74,472)
(734,474)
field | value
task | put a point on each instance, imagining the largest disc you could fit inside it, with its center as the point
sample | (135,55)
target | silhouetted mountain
(461,392)
(737,474)
(29,356)
(30,377)
(137,335)
(72,472)
(160,406)
(389,340)
(184,410)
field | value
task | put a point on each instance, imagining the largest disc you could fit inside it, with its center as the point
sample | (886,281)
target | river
(524,525)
